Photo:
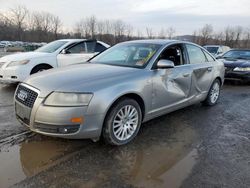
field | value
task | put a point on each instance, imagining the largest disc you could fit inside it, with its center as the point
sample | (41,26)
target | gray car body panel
(161,90)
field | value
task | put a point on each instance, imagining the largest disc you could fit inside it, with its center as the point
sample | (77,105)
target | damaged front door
(172,85)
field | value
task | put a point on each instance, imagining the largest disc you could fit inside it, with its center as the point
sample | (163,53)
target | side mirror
(165,64)
(64,51)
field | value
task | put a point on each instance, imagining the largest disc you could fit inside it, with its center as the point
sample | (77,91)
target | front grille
(26,96)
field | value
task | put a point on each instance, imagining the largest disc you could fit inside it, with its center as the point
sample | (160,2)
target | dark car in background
(237,64)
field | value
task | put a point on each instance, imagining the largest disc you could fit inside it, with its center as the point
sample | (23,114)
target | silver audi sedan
(115,92)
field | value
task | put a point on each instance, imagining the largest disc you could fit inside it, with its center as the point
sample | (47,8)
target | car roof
(72,40)
(80,40)
(154,41)
(215,46)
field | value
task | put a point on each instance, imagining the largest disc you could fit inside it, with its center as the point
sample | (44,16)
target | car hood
(236,63)
(77,78)
(23,56)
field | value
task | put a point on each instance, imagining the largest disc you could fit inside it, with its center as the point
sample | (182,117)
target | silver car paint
(161,90)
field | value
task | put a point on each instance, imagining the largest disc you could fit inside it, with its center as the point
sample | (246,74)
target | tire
(119,129)
(213,94)
(40,68)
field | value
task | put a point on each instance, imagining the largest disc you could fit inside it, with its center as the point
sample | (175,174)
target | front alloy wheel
(123,122)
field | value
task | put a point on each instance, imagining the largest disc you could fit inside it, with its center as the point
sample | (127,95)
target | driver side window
(174,54)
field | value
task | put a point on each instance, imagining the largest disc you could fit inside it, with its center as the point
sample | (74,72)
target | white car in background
(17,67)
(217,50)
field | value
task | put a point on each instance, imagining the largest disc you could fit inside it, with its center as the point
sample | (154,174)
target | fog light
(63,130)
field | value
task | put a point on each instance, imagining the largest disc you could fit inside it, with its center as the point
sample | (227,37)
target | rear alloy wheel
(213,94)
(123,122)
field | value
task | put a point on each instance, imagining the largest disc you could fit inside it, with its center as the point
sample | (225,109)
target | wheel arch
(220,79)
(131,95)
(41,64)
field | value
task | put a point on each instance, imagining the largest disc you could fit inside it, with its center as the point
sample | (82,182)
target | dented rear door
(202,74)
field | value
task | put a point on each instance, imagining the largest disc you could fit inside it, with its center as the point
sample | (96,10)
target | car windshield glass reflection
(237,54)
(51,47)
(129,55)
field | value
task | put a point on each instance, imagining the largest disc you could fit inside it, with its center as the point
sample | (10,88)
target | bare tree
(18,16)
(56,25)
(206,33)
(82,28)
(218,38)
(230,35)
(170,32)
(129,31)
(149,32)
(162,34)
(238,33)
(247,38)
(91,25)
(119,30)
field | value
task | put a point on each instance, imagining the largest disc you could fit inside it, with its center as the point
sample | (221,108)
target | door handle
(209,69)
(186,75)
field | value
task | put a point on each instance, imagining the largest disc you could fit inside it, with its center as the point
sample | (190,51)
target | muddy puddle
(162,165)
(31,157)
(161,156)
(150,161)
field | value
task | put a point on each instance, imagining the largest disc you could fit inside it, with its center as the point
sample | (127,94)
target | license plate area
(23,113)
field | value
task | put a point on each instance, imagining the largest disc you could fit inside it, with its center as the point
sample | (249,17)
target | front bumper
(237,75)
(11,75)
(52,121)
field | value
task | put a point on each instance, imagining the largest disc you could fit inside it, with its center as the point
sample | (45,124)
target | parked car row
(20,43)
(111,94)
(19,46)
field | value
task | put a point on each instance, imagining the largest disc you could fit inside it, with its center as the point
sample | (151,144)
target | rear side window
(208,56)
(90,46)
(195,54)
(99,48)
(78,48)
(83,47)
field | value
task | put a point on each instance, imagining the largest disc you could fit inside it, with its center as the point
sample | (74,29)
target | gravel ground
(194,147)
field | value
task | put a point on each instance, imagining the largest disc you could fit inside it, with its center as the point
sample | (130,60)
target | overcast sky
(184,15)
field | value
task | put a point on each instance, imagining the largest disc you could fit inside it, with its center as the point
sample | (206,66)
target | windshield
(51,47)
(212,50)
(128,54)
(237,54)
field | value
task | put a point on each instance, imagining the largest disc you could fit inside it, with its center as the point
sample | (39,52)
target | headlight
(1,64)
(242,69)
(16,63)
(68,99)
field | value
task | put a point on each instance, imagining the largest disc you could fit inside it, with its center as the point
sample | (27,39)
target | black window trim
(76,43)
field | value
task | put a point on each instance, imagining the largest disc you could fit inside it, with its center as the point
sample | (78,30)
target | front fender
(104,99)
